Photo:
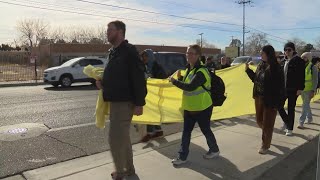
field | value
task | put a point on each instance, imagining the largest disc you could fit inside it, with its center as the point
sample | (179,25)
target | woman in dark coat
(268,92)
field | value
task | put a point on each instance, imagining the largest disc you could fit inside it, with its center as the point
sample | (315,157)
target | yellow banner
(163,100)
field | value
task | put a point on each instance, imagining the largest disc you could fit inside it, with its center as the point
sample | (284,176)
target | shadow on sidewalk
(216,168)
(72,88)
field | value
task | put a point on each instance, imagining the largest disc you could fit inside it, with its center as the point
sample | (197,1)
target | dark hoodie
(153,69)
(294,73)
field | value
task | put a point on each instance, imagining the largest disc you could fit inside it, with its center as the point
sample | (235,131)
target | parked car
(71,71)
(252,60)
(168,63)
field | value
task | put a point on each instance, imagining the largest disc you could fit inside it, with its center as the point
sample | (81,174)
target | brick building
(55,54)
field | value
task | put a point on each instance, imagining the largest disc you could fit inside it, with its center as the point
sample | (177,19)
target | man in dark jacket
(294,75)
(124,86)
(153,70)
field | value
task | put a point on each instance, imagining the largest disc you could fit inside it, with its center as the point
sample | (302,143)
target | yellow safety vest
(198,99)
(308,85)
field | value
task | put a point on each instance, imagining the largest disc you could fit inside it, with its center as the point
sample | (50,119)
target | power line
(295,28)
(184,25)
(182,17)
(114,17)
(267,33)
(157,13)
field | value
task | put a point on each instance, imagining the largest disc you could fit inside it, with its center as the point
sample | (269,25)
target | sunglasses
(289,50)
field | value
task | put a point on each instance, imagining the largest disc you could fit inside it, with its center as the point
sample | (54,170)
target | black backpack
(217,90)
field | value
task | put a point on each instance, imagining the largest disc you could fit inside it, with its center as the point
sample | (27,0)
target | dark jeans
(153,128)
(288,118)
(203,119)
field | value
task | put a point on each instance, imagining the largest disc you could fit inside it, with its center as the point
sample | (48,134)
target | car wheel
(66,81)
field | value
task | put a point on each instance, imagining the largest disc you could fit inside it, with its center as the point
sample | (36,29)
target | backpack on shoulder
(217,90)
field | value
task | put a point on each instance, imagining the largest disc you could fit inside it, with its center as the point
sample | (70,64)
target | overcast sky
(211,17)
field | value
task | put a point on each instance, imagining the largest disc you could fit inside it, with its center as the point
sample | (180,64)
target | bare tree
(299,44)
(254,43)
(57,35)
(205,44)
(318,44)
(86,35)
(101,34)
(32,31)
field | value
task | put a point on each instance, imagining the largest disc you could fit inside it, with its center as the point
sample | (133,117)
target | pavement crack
(82,150)
(46,126)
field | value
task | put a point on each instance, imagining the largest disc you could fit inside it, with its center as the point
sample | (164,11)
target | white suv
(72,71)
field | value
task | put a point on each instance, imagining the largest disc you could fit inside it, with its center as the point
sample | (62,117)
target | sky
(218,20)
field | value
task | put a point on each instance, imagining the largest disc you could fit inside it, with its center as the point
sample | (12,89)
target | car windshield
(71,61)
(241,60)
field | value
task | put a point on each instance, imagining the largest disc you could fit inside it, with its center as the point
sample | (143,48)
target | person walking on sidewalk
(196,103)
(147,57)
(268,90)
(124,86)
(224,63)
(311,81)
(294,75)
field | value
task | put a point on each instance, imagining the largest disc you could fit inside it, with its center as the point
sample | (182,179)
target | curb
(291,166)
(21,84)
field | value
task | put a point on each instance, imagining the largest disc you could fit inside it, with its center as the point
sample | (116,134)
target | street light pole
(243,2)
(201,39)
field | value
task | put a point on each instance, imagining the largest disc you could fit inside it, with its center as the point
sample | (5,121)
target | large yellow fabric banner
(163,100)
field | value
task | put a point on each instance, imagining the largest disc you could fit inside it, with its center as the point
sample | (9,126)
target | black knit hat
(290,45)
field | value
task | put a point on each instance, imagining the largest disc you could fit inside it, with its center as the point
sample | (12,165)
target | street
(68,113)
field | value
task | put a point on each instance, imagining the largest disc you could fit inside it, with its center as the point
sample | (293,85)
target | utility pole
(244,2)
(201,39)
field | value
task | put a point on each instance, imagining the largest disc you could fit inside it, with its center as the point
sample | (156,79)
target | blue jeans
(306,109)
(203,119)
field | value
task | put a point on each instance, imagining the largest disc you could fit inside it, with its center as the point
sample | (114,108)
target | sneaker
(178,161)
(263,151)
(309,121)
(283,127)
(210,155)
(289,133)
(157,134)
(300,126)
(146,138)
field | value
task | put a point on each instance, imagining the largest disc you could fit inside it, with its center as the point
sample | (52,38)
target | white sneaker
(283,128)
(263,151)
(289,133)
(300,126)
(309,122)
(210,155)
(178,161)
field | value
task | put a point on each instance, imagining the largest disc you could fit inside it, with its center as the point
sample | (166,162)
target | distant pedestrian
(210,64)
(152,71)
(268,92)
(203,60)
(224,63)
(124,86)
(294,76)
(196,103)
(311,82)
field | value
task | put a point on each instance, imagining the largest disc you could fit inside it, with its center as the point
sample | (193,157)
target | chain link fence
(16,67)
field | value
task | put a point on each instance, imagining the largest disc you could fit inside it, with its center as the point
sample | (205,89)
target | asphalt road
(69,115)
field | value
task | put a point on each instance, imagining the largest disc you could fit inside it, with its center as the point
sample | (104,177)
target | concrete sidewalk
(239,140)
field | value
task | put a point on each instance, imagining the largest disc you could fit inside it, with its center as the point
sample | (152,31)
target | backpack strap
(196,70)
